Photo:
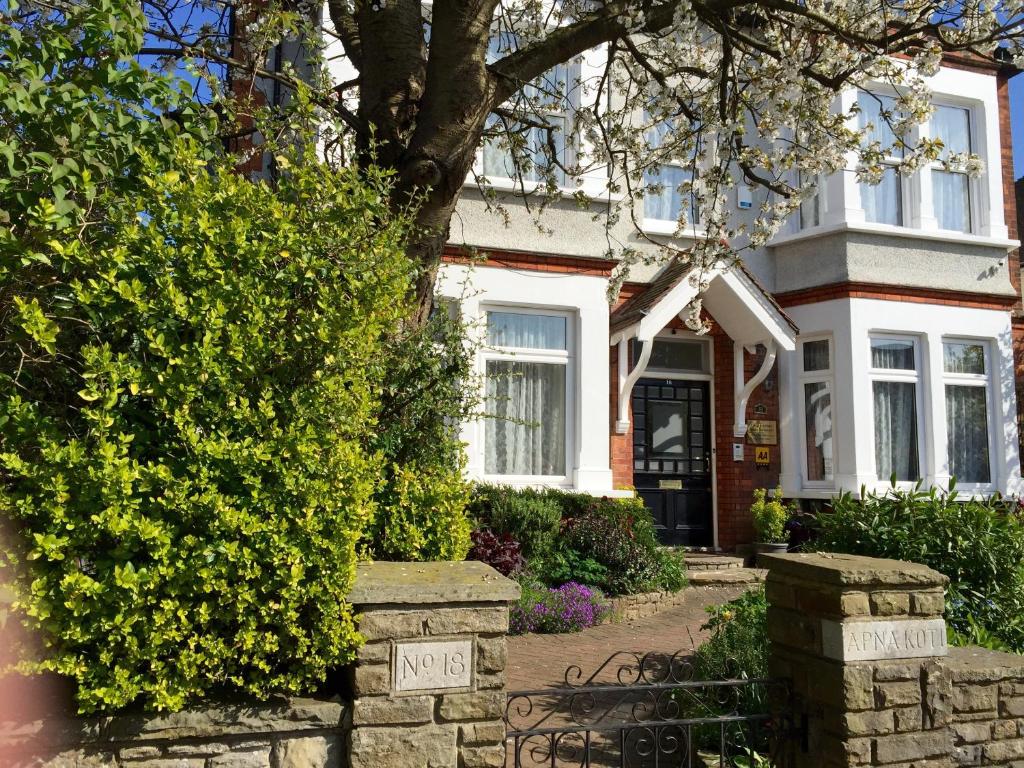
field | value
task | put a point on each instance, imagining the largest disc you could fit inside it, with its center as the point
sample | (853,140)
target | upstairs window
(670,186)
(951,189)
(895,376)
(965,375)
(542,152)
(883,203)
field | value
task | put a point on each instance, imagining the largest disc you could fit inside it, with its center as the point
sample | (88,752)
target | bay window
(816,384)
(951,189)
(527,370)
(965,366)
(895,376)
(883,203)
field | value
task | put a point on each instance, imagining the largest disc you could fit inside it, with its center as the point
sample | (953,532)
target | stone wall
(430,681)
(864,643)
(288,733)
(428,692)
(988,707)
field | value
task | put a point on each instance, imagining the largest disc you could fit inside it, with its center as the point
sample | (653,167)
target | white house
(873,338)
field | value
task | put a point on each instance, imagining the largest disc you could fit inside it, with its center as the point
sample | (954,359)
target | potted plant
(770,517)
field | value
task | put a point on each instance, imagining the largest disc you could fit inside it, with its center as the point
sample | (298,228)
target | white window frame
(566,357)
(574,69)
(985,380)
(655,226)
(915,377)
(910,197)
(820,202)
(974,207)
(826,377)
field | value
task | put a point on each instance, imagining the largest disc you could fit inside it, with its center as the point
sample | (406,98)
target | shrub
(738,646)
(770,516)
(977,544)
(631,566)
(500,551)
(566,565)
(426,392)
(609,543)
(568,608)
(532,519)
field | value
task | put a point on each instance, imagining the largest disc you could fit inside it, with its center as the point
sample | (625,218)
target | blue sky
(1017,124)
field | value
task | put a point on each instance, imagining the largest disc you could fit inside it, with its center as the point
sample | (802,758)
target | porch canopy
(738,303)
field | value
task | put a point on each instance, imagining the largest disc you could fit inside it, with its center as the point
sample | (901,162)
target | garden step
(707,578)
(708,561)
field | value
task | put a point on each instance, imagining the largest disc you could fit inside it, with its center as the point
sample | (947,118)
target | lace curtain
(526,432)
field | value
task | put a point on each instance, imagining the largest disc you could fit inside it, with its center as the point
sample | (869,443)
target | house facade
(873,338)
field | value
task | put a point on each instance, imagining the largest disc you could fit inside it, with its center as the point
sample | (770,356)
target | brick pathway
(540,661)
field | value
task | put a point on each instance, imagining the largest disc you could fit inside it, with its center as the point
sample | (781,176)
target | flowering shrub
(500,551)
(568,608)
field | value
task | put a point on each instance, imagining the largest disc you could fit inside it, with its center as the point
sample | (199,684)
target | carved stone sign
(429,665)
(875,640)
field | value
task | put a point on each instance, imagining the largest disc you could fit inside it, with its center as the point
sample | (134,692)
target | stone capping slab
(288,715)
(980,665)
(852,570)
(431,583)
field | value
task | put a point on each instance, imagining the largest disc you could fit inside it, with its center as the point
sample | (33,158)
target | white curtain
(525,331)
(883,202)
(896,430)
(665,203)
(818,426)
(953,126)
(895,355)
(952,200)
(525,428)
(967,432)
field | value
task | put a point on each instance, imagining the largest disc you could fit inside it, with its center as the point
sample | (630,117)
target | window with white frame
(527,364)
(810,209)
(541,149)
(883,203)
(816,384)
(951,189)
(671,185)
(895,379)
(965,373)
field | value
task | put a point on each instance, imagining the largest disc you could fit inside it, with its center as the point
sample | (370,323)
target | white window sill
(592,189)
(670,229)
(939,235)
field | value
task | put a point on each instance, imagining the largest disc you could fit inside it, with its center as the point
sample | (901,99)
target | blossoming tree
(735,91)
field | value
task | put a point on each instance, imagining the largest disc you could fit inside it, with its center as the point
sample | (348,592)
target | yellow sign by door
(762,456)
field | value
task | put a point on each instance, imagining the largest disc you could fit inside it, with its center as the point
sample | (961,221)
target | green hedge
(978,544)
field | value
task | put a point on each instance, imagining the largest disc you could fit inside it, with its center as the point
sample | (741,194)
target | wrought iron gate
(648,710)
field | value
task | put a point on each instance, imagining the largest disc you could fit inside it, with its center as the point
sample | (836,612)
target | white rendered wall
(852,322)
(587,401)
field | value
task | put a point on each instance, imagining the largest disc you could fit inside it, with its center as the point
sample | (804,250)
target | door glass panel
(667,427)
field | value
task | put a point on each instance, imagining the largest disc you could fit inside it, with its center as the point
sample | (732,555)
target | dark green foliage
(426,391)
(500,551)
(604,542)
(738,646)
(534,521)
(978,544)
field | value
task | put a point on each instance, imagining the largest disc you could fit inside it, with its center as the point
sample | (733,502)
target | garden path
(540,661)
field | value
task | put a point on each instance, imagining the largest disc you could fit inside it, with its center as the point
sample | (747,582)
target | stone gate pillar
(429,685)
(861,640)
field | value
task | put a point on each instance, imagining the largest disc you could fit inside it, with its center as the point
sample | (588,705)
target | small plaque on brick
(877,640)
(429,665)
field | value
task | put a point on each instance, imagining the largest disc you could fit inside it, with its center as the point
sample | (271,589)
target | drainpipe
(628,378)
(744,391)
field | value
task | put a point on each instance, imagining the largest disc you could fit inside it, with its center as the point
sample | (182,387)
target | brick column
(429,684)
(862,639)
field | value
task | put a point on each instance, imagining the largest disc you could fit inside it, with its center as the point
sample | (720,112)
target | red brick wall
(735,481)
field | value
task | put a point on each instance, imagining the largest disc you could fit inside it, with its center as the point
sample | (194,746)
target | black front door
(672,458)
